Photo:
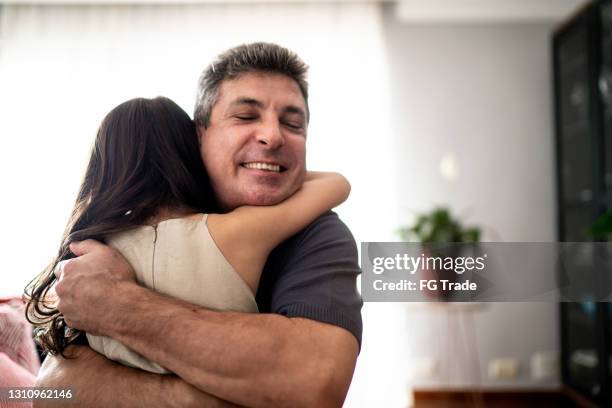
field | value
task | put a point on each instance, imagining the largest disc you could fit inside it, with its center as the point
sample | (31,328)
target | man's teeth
(262,166)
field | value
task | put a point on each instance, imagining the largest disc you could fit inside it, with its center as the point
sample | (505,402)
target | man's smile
(264,166)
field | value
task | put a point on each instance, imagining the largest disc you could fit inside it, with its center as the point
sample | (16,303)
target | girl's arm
(246,235)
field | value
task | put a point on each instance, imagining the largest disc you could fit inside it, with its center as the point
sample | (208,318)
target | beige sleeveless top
(178,258)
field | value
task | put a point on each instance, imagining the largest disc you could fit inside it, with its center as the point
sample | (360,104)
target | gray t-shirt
(313,275)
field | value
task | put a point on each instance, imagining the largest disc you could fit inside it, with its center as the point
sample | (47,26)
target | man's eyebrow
(296,110)
(247,101)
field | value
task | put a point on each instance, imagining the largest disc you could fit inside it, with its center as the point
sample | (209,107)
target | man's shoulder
(327,223)
(327,237)
(326,230)
(313,275)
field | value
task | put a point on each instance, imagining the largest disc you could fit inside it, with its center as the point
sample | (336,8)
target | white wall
(481,93)
(62,68)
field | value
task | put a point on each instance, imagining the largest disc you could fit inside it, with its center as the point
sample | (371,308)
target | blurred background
(420,103)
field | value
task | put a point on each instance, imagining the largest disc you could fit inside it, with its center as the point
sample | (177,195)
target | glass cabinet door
(576,145)
(581,328)
(605,89)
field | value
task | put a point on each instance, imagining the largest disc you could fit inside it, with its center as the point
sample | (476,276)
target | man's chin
(257,198)
(266,199)
(268,196)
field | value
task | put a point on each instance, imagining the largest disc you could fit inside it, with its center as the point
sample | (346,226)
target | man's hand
(85,284)
(98,382)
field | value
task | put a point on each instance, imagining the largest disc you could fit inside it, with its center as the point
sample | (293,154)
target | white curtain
(62,68)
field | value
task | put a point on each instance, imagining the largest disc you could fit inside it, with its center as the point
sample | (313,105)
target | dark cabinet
(582,60)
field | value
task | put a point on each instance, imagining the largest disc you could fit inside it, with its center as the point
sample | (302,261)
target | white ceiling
(184,1)
(406,10)
(485,10)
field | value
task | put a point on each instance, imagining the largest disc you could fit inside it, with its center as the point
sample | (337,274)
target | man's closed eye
(295,126)
(246,117)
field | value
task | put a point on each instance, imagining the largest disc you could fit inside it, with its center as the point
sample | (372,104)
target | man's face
(254,148)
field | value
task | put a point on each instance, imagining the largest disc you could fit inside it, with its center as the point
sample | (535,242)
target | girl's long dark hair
(146,157)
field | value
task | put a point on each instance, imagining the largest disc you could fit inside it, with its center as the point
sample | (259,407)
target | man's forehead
(259,89)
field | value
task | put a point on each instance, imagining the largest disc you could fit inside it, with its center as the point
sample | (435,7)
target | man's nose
(270,134)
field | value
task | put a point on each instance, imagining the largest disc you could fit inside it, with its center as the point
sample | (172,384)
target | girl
(147,194)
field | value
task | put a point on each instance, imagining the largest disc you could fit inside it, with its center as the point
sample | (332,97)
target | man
(252,115)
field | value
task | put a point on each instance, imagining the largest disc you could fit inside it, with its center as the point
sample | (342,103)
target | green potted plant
(439,226)
(434,229)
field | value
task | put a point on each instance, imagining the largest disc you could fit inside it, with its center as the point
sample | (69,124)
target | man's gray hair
(254,57)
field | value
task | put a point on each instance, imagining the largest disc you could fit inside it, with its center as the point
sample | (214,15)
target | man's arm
(96,382)
(249,359)
(254,360)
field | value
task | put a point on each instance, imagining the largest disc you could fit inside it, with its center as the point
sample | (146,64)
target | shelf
(577,204)
(574,128)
